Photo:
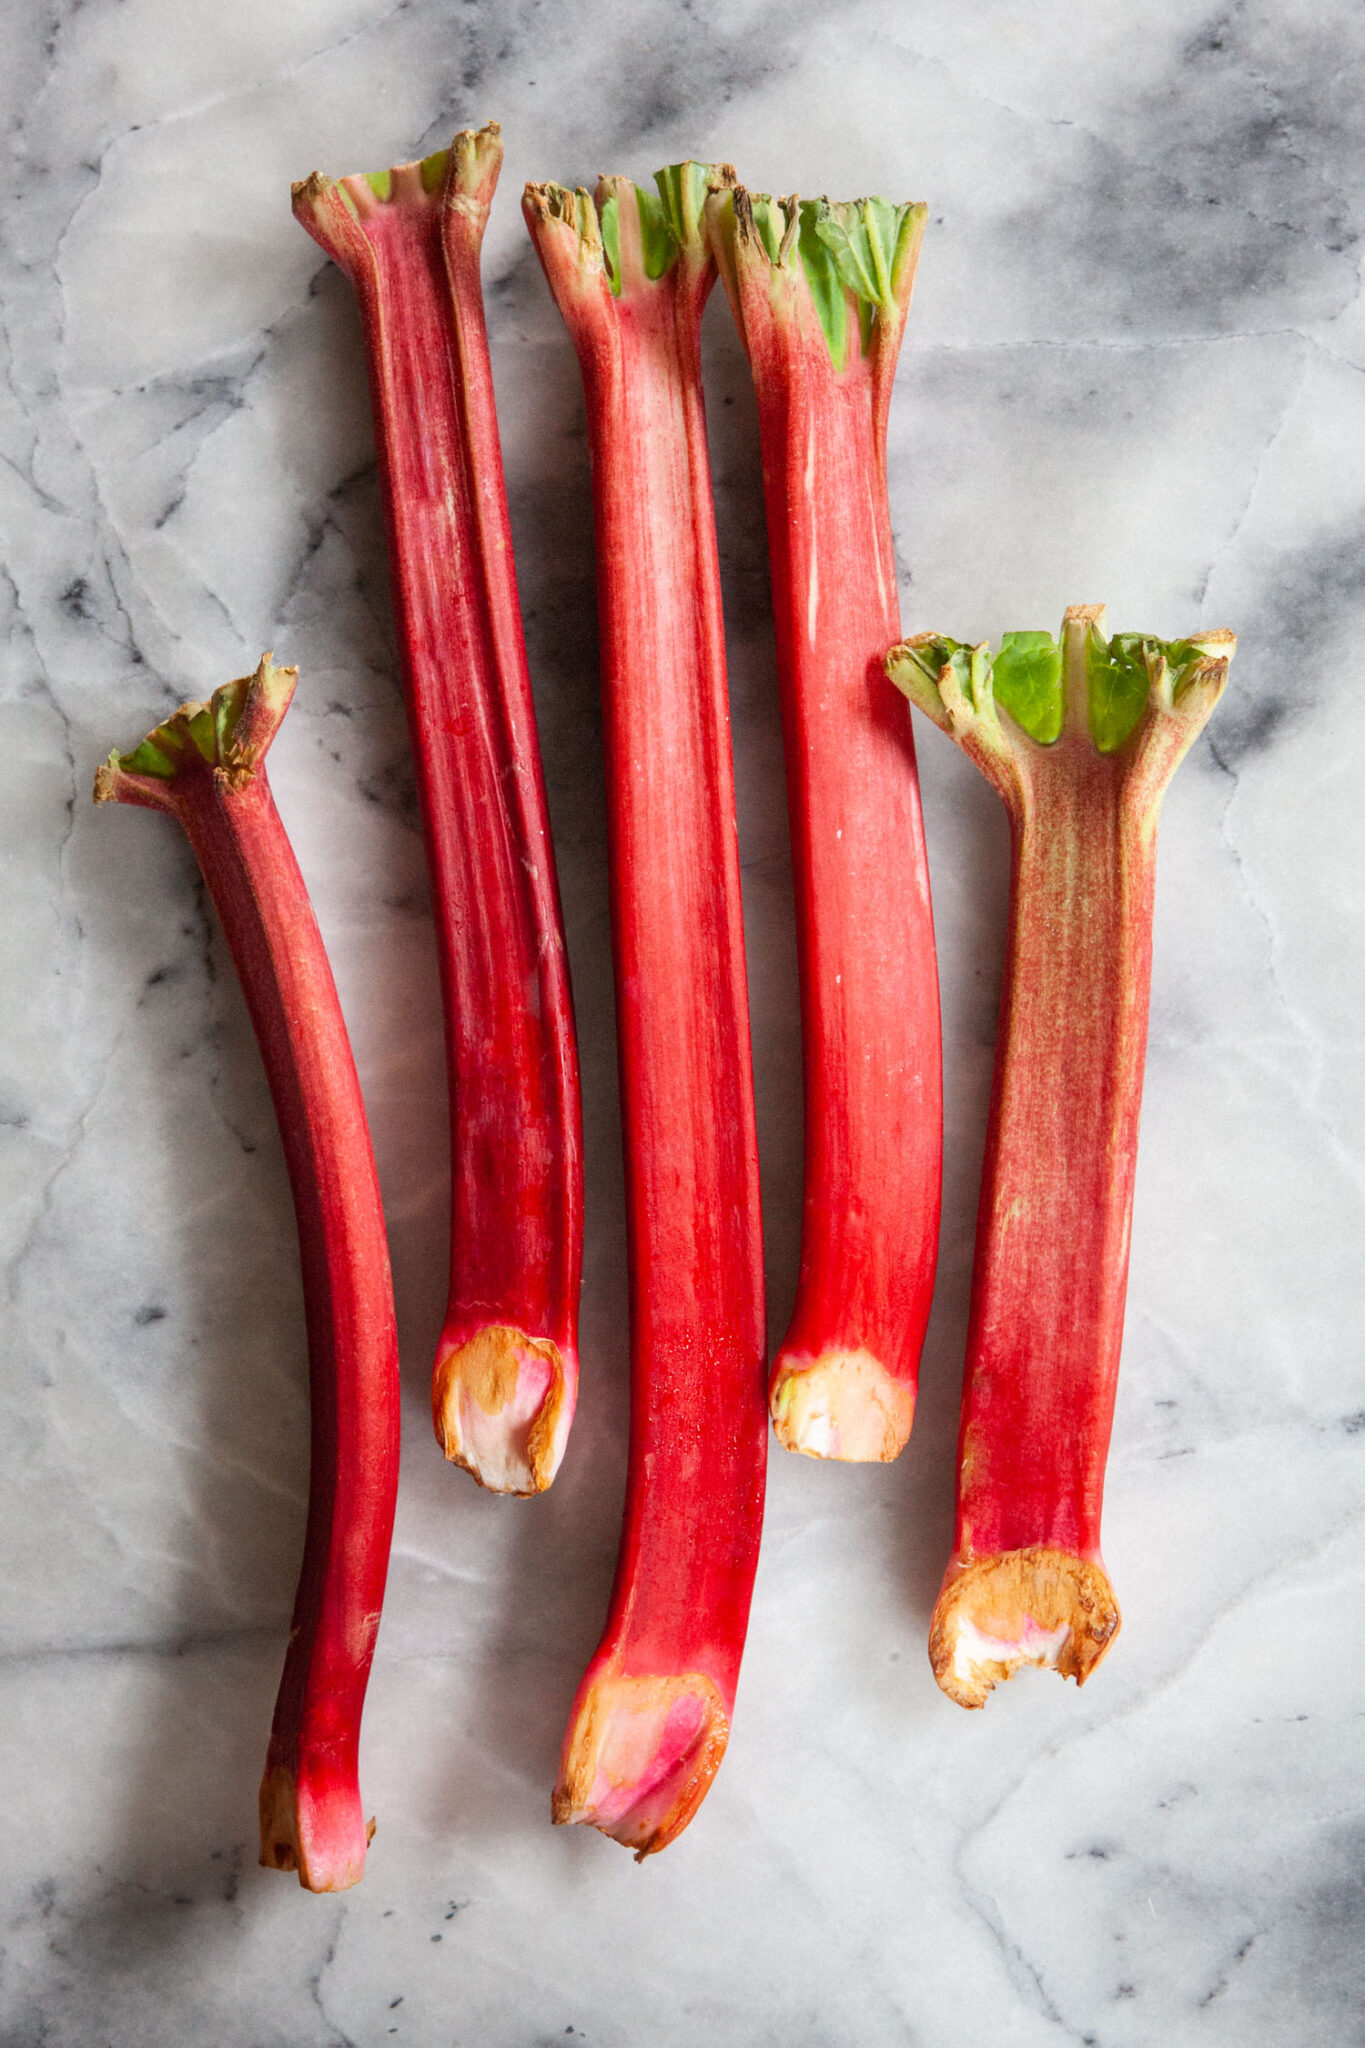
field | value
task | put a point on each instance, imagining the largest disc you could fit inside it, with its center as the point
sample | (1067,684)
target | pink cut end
(640,1756)
(1037,1606)
(843,1404)
(322,1834)
(502,1404)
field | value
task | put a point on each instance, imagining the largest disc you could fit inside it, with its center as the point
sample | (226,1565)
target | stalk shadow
(555,1562)
(969,877)
(968,849)
(761,797)
(191,1689)
(558,1568)
(181,1873)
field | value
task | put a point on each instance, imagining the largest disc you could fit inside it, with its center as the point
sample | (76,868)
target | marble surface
(1134,373)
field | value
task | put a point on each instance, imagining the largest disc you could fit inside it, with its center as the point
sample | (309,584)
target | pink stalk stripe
(205,768)
(506,1374)
(1026,1583)
(844,1379)
(651,1718)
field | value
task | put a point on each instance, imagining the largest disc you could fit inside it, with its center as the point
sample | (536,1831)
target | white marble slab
(1134,373)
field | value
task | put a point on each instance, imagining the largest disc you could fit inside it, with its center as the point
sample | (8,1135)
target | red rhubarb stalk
(206,769)
(631,275)
(506,1373)
(1080,741)
(820,293)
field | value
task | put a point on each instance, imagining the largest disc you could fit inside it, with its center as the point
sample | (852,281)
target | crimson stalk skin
(649,1725)
(206,769)
(1026,1583)
(506,1375)
(820,293)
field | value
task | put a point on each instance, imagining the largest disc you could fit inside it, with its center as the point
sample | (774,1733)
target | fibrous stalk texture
(506,1373)
(631,273)
(205,768)
(820,292)
(1080,739)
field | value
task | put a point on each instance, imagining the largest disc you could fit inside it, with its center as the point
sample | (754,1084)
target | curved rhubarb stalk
(506,1375)
(649,1725)
(1092,733)
(205,767)
(820,293)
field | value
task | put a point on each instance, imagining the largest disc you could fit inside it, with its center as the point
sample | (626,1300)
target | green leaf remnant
(1026,678)
(1028,682)
(668,220)
(210,726)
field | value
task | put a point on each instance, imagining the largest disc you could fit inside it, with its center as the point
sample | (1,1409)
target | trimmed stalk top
(857,258)
(228,736)
(462,179)
(1114,693)
(630,235)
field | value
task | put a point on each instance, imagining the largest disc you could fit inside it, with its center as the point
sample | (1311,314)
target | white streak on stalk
(882,591)
(813,601)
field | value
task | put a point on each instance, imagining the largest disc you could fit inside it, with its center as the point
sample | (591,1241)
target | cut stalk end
(228,735)
(624,237)
(462,178)
(843,1405)
(639,1757)
(854,259)
(1035,1606)
(500,1405)
(323,1836)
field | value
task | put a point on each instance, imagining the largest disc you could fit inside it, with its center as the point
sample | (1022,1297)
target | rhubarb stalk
(631,274)
(1080,740)
(506,1372)
(820,293)
(205,767)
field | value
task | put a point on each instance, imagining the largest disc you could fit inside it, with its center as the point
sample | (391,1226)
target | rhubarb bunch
(205,767)
(631,272)
(820,293)
(506,1373)
(1080,739)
